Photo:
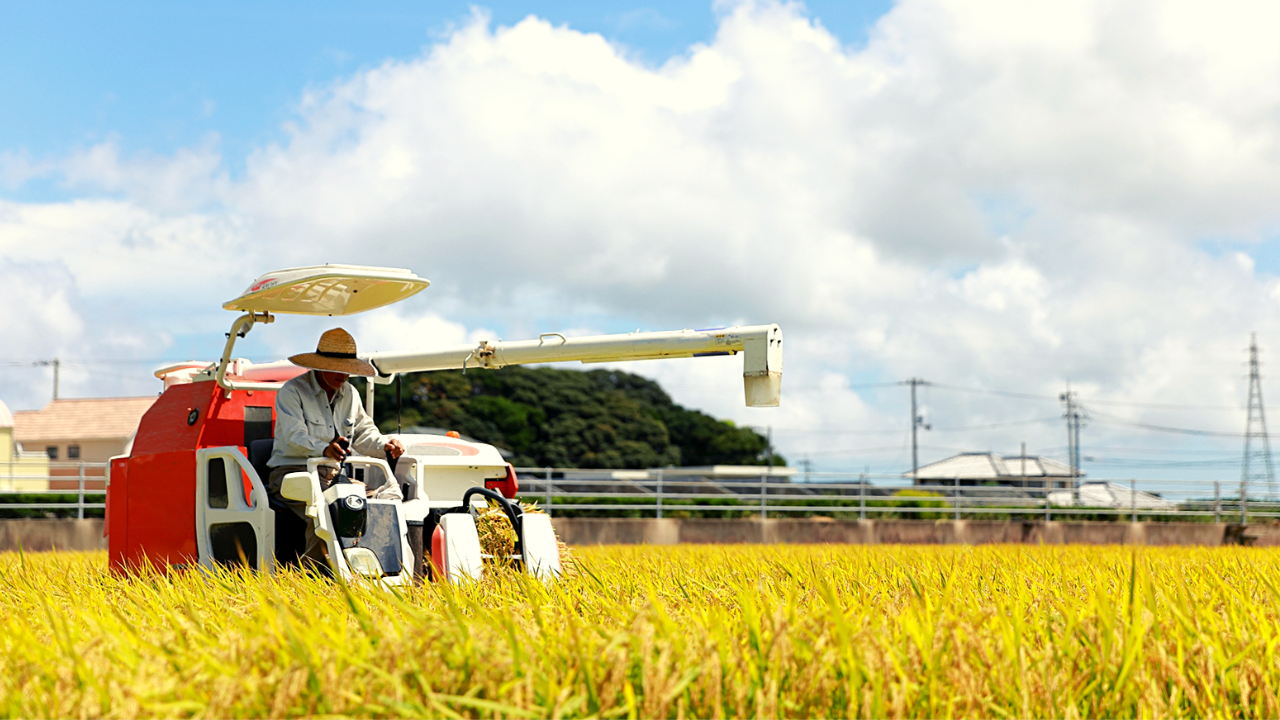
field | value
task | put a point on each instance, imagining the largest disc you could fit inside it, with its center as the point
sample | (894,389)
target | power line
(984,391)
(1114,420)
(950,428)
(1092,401)
(1011,423)
(858,451)
(1163,406)
(841,432)
(792,388)
(904,448)
(1169,450)
(1140,462)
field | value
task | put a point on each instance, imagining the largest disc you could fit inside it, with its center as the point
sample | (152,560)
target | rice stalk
(698,631)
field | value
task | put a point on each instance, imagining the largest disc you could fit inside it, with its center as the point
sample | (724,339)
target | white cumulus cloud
(988,193)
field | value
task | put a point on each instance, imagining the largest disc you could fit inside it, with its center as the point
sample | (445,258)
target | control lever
(344,469)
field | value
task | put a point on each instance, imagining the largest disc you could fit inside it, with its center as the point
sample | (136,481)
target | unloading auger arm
(761,346)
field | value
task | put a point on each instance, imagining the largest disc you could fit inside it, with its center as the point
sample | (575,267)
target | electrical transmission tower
(917,422)
(1257,448)
(1074,417)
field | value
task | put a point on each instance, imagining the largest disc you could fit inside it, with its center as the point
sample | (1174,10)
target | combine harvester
(192,491)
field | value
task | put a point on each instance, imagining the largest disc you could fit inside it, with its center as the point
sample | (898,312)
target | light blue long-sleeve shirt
(306,422)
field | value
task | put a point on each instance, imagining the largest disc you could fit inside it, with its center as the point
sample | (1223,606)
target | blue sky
(158,76)
(983,194)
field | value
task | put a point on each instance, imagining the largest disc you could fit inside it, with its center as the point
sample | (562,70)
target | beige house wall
(91,451)
(21,472)
(65,472)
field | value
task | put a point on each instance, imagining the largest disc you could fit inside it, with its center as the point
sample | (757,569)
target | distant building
(993,469)
(19,469)
(80,435)
(727,480)
(1101,494)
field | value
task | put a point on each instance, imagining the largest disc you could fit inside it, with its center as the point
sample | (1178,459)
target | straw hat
(336,352)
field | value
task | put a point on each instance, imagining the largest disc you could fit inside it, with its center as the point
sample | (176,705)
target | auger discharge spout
(761,346)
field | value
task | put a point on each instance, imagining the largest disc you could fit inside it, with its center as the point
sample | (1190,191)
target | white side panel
(322,523)
(406,553)
(445,486)
(259,516)
(541,551)
(318,511)
(415,510)
(462,559)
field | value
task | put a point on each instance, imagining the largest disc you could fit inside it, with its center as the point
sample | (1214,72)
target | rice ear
(498,539)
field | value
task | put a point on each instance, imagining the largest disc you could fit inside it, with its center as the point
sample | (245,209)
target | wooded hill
(549,417)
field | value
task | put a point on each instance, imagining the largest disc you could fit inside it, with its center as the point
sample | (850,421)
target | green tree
(570,418)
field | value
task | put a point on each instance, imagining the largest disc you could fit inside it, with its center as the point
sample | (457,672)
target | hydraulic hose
(506,505)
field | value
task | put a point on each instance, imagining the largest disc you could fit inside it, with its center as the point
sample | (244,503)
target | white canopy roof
(327,290)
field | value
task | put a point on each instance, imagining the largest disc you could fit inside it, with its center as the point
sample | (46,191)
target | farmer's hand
(334,451)
(394,449)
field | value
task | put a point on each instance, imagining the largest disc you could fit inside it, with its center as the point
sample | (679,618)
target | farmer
(318,412)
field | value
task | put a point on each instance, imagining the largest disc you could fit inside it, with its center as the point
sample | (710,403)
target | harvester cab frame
(192,491)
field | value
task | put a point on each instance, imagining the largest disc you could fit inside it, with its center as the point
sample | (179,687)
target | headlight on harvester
(362,561)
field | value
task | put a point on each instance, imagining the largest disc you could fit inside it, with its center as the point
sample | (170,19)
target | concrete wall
(40,535)
(578,531)
(36,535)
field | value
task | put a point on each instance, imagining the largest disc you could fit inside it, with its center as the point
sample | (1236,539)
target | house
(79,436)
(1032,471)
(19,469)
(1101,494)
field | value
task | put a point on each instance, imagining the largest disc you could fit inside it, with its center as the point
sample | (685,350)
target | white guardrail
(655,492)
(651,493)
(62,480)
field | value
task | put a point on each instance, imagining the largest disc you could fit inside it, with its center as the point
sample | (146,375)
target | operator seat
(291,530)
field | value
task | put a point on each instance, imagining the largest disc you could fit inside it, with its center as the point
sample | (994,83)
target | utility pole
(1073,415)
(808,468)
(1024,464)
(56,364)
(1257,447)
(917,422)
(768,448)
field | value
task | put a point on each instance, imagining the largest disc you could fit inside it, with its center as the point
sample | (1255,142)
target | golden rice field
(730,631)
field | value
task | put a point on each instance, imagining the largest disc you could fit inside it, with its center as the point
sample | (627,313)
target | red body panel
(508,486)
(437,554)
(120,475)
(151,502)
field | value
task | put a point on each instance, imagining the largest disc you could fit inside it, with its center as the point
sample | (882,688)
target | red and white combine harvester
(192,490)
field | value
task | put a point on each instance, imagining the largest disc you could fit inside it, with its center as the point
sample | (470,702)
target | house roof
(82,419)
(980,466)
(1111,495)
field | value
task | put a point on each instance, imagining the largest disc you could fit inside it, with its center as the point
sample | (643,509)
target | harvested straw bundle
(497,538)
